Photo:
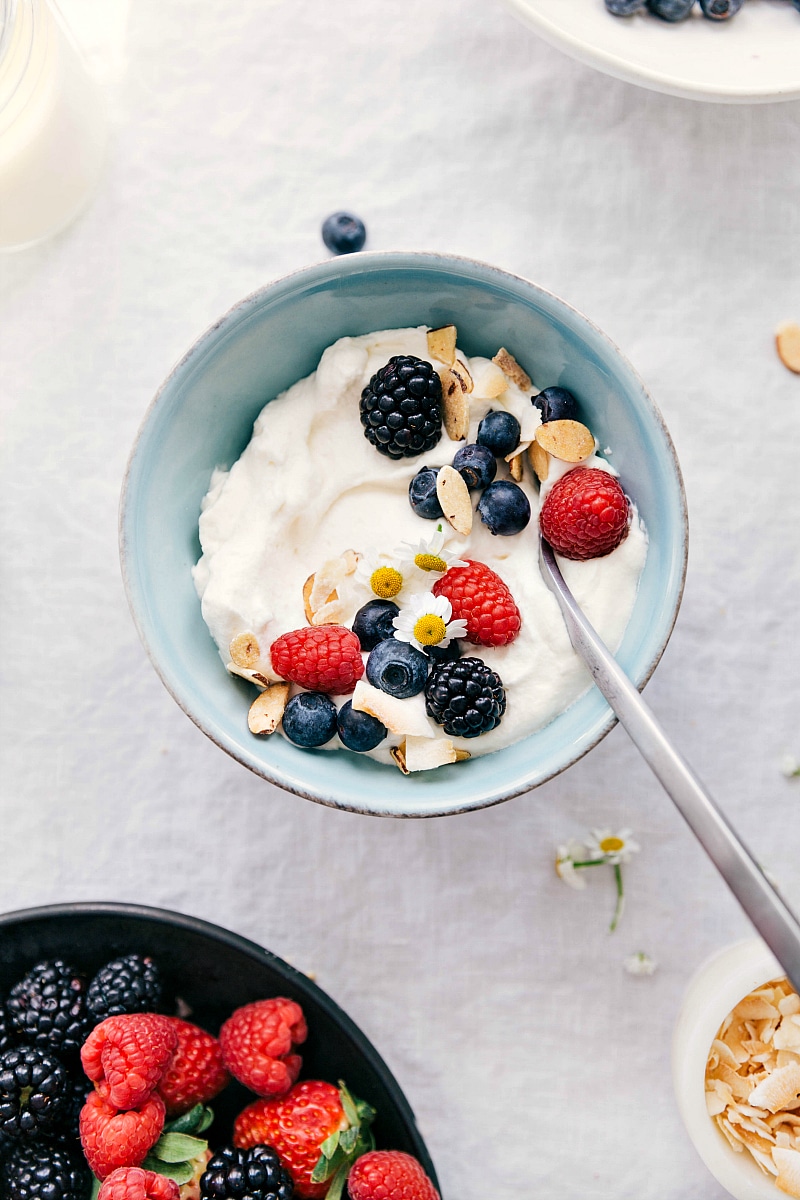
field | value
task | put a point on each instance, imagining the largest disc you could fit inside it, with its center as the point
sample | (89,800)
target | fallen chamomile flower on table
(602,849)
(612,848)
(429,554)
(425,621)
(640,964)
(566,858)
(790,767)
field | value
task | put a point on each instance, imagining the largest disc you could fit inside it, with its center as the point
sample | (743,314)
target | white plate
(753,58)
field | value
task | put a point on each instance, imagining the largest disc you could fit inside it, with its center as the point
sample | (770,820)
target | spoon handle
(773,919)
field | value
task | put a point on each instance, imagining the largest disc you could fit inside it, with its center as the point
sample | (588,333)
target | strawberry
(478,596)
(126,1055)
(113,1139)
(324,658)
(585,514)
(257,1043)
(132,1183)
(389,1175)
(196,1073)
(317,1132)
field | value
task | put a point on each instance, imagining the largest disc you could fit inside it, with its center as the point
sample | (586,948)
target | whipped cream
(309,486)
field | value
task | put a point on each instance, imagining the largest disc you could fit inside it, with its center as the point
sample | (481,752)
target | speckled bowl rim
(198,348)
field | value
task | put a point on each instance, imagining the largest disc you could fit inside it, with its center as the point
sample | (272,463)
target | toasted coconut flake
(453,495)
(715,1104)
(266,710)
(784,1057)
(789,1005)
(733,1135)
(245,650)
(787,1035)
(442,344)
(756,1008)
(515,467)
(455,404)
(490,382)
(510,367)
(351,559)
(539,460)
(398,754)
(568,440)
(779,1091)
(334,612)
(787,340)
(725,1054)
(425,754)
(400,717)
(788,1164)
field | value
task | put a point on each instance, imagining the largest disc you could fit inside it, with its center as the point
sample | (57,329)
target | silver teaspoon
(773,919)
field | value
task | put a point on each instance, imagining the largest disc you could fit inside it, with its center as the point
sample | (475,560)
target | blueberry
(499,432)
(442,654)
(671,10)
(556,404)
(397,668)
(358,730)
(343,233)
(720,10)
(505,508)
(373,622)
(309,719)
(422,494)
(624,8)
(476,465)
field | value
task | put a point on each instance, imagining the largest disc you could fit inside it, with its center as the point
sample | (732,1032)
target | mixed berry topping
(48,1007)
(585,514)
(465,697)
(479,597)
(126,985)
(401,407)
(679,10)
(323,659)
(344,233)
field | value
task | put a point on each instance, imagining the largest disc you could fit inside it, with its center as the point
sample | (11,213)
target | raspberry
(389,1175)
(112,1139)
(196,1072)
(132,1183)
(479,597)
(126,1056)
(257,1043)
(326,658)
(585,514)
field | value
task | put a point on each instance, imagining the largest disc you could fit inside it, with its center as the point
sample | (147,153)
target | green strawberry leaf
(187,1122)
(328,1147)
(178,1147)
(206,1119)
(96,1185)
(336,1189)
(348,1139)
(181,1172)
(348,1104)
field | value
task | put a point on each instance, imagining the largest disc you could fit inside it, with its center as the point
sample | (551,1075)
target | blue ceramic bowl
(203,416)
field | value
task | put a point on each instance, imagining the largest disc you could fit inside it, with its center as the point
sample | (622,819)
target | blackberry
(125,985)
(401,407)
(48,1009)
(254,1174)
(35,1092)
(6,1030)
(466,697)
(41,1171)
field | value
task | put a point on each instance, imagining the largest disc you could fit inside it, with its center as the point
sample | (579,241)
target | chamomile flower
(640,963)
(612,848)
(429,554)
(384,575)
(790,767)
(425,621)
(566,858)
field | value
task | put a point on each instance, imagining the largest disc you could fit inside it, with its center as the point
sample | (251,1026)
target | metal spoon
(773,919)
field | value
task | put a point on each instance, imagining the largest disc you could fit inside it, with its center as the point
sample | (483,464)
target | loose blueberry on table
(679,10)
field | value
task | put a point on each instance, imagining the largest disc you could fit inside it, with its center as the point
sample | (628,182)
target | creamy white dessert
(310,486)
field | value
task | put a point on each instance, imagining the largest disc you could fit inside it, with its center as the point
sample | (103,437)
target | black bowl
(214,972)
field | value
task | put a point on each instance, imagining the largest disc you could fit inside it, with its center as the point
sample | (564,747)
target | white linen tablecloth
(535,1064)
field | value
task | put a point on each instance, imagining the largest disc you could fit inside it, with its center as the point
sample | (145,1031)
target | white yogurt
(310,486)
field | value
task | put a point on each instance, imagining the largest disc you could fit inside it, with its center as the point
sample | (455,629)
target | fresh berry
(476,465)
(397,668)
(479,597)
(48,1009)
(45,1171)
(34,1091)
(624,8)
(125,985)
(196,1073)
(499,432)
(258,1043)
(373,622)
(113,1139)
(556,403)
(358,730)
(466,697)
(6,1028)
(309,719)
(585,514)
(343,233)
(422,494)
(401,407)
(325,658)
(504,508)
(126,1056)
(132,1183)
(720,10)
(246,1174)
(671,10)
(442,654)
(389,1175)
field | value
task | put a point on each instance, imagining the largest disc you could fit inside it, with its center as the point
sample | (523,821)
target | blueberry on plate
(358,730)
(505,508)
(720,10)
(556,404)
(499,432)
(309,719)
(397,668)
(343,233)
(422,494)
(476,465)
(373,623)
(624,8)
(671,10)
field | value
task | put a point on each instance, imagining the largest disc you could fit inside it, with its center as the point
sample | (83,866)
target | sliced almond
(453,495)
(462,755)
(787,340)
(442,344)
(455,405)
(510,367)
(266,710)
(400,717)
(398,753)
(425,754)
(261,678)
(568,440)
(515,467)
(539,460)
(245,650)
(461,372)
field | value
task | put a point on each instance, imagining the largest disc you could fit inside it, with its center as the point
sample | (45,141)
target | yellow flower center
(429,630)
(430,562)
(611,845)
(386,582)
